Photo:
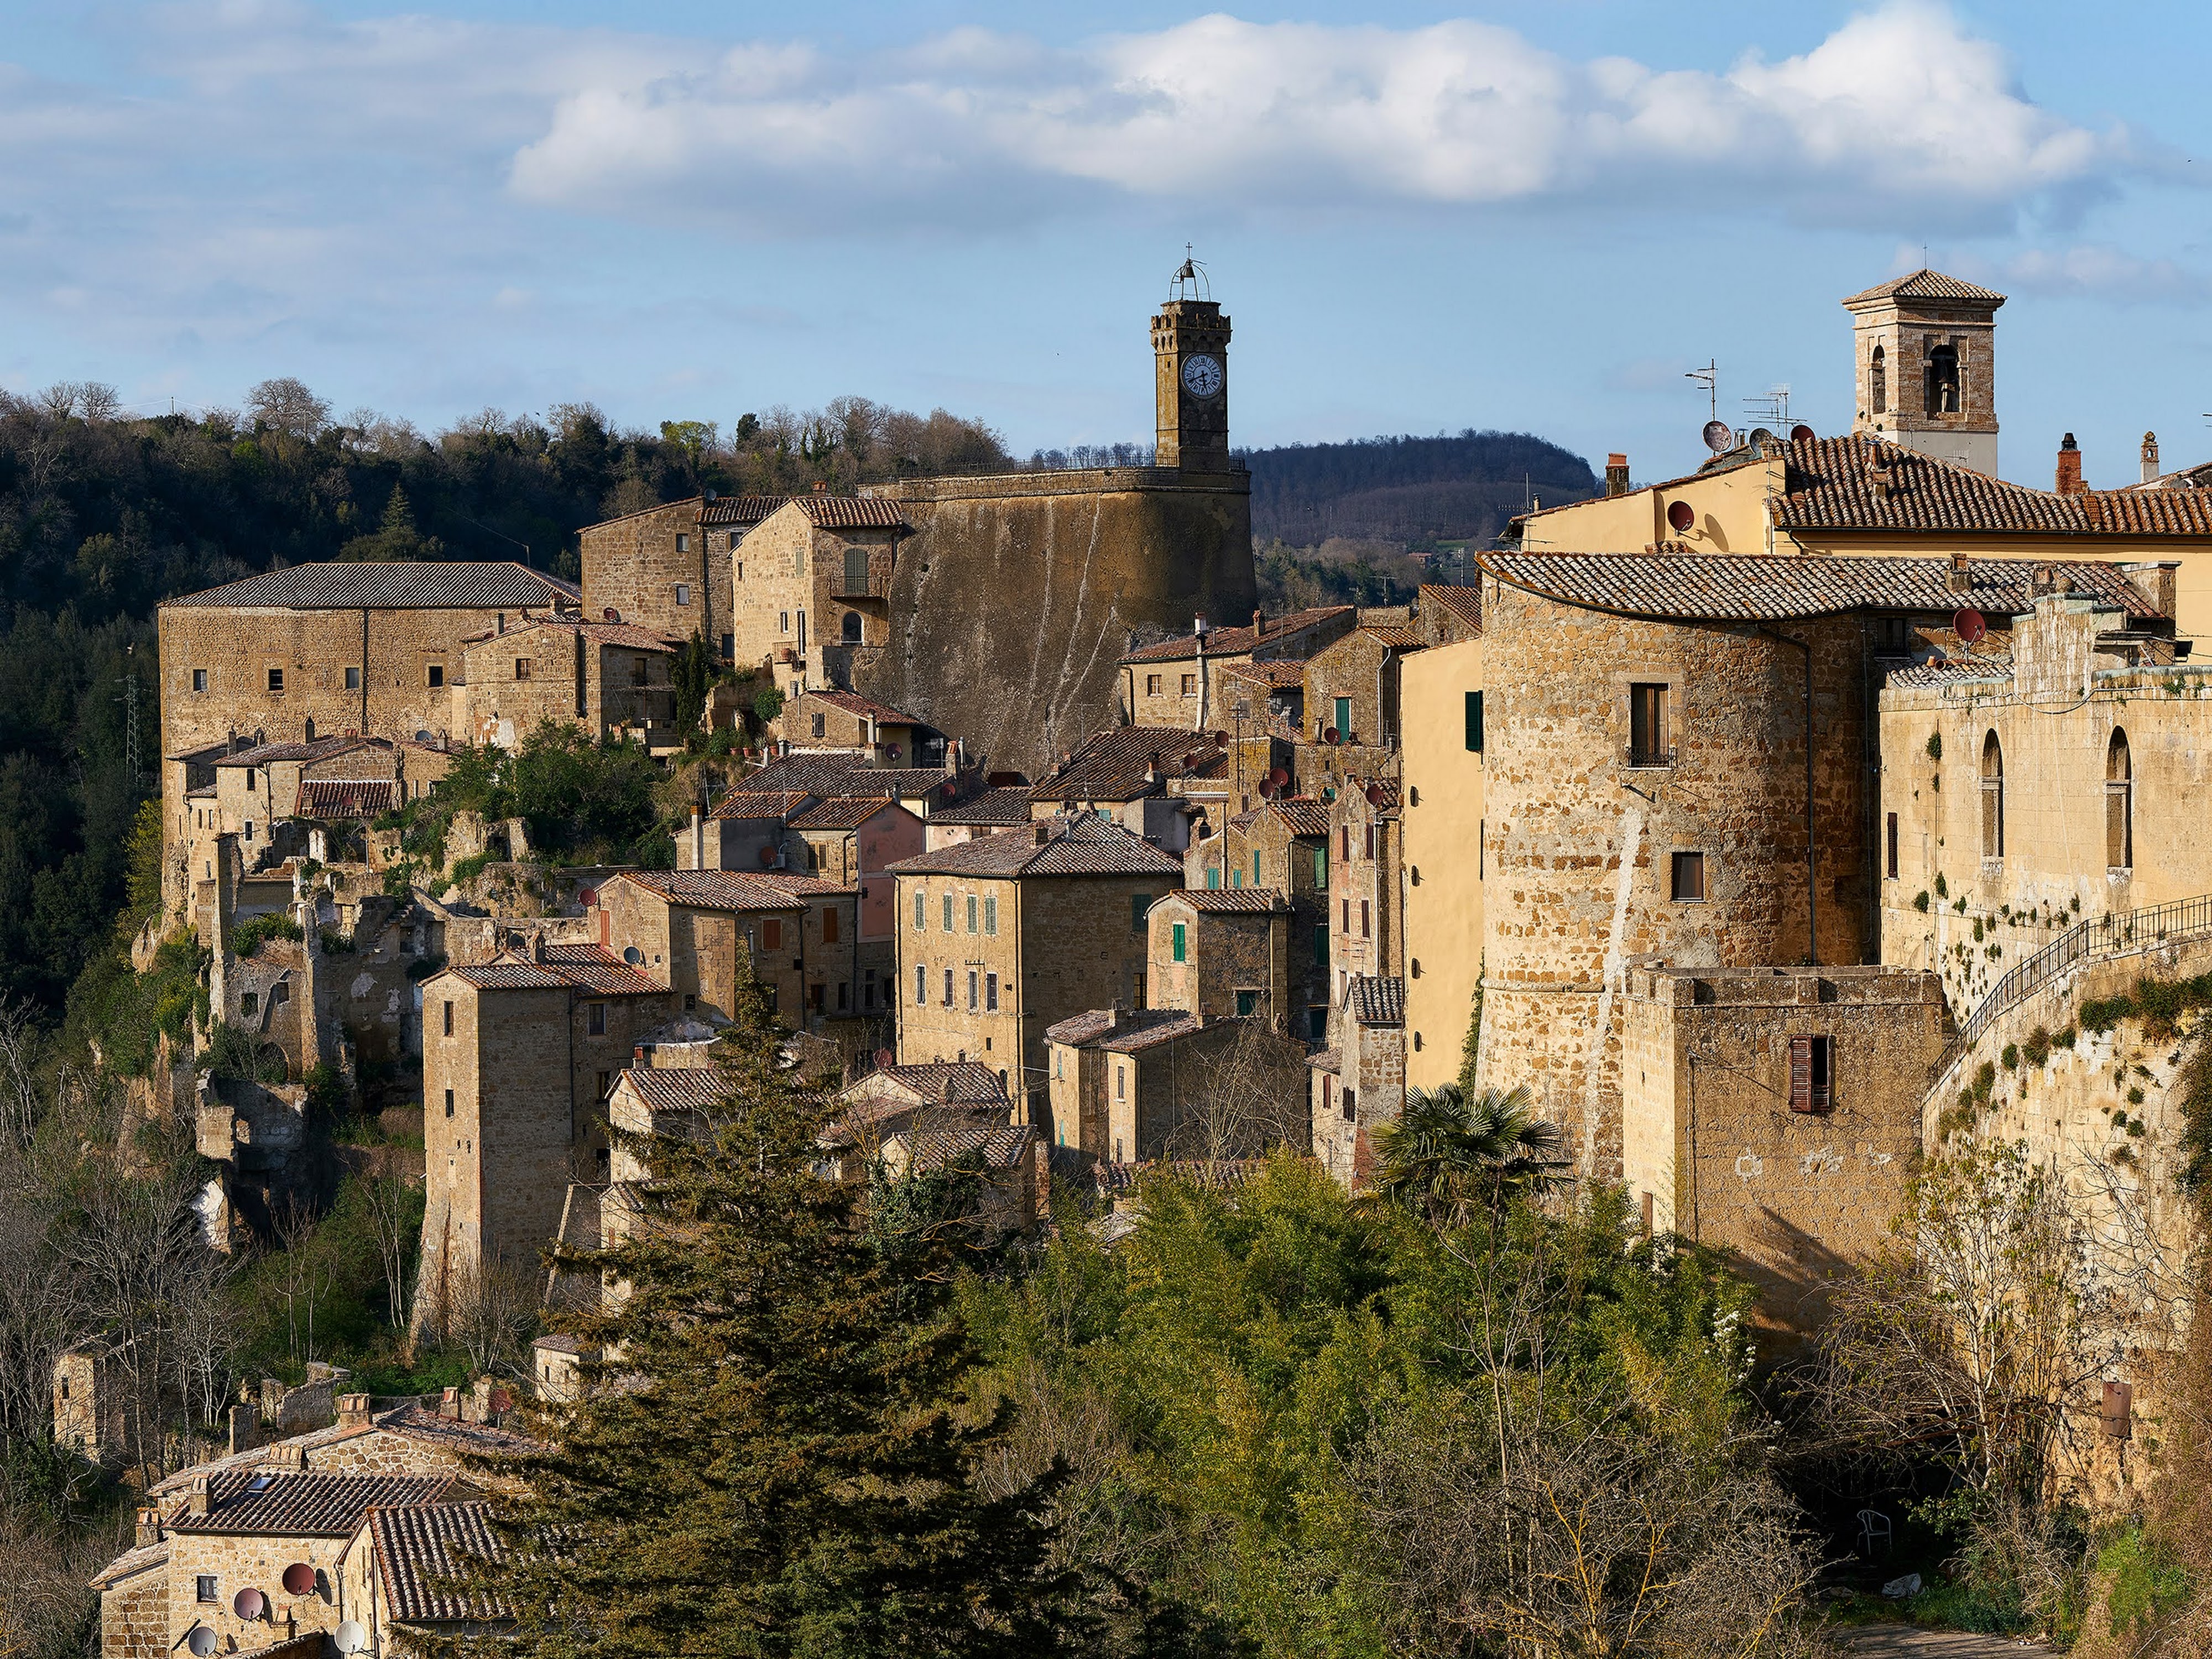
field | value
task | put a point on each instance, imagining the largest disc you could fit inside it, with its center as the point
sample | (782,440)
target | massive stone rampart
(1018,592)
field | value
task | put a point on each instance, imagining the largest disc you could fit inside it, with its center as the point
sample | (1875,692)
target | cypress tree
(774,1458)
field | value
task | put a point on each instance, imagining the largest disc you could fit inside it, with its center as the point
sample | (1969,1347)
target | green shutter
(1212,878)
(1344,717)
(1321,868)
(1179,946)
(1255,867)
(1474,722)
(1138,903)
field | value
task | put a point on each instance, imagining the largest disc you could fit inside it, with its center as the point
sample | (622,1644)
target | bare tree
(286,406)
(303,1273)
(393,1220)
(22,1101)
(1248,1095)
(492,1310)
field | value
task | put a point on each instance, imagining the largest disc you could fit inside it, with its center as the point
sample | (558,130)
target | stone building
(1925,348)
(2036,783)
(1352,706)
(1190,681)
(1446,863)
(987,812)
(1000,937)
(700,931)
(610,678)
(518,1056)
(291,655)
(391,1573)
(1138,1085)
(811,590)
(1223,953)
(1151,782)
(1776,1113)
(1662,733)
(1283,844)
(1366,872)
(825,720)
(1360,1083)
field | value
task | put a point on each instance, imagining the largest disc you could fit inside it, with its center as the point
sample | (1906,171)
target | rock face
(1018,595)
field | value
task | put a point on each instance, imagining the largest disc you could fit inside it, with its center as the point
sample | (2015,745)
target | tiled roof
(1989,666)
(1829,485)
(1113,765)
(320,748)
(130,1564)
(1276,673)
(1229,641)
(606,633)
(1376,1001)
(726,890)
(961,1082)
(1463,600)
(1394,634)
(997,1146)
(472,586)
(1222,901)
(558,1344)
(1299,814)
(344,798)
(792,882)
(1925,284)
(422,1544)
(410,1420)
(677,1089)
(841,774)
(739,509)
(417,1422)
(1081,846)
(299,1506)
(853,703)
(1760,587)
(586,967)
(843,812)
(762,804)
(1128,1039)
(1329,1059)
(827,511)
(1106,1026)
(987,806)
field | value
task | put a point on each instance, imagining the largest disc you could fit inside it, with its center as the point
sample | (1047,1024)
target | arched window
(2119,805)
(1943,380)
(1992,798)
(1880,378)
(851,628)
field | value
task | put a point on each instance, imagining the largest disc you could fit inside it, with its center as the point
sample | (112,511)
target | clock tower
(1190,349)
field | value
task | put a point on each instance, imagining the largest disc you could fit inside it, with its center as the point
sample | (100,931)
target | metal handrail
(2115,934)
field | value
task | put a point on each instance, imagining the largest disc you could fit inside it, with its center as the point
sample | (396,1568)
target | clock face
(1201,376)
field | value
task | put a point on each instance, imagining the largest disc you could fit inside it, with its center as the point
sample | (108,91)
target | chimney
(2069,466)
(822,486)
(698,837)
(1961,577)
(198,1503)
(2150,458)
(149,1527)
(353,1411)
(1043,829)
(1152,768)
(1616,474)
(449,1405)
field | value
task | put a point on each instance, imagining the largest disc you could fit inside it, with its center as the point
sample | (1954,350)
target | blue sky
(1421,217)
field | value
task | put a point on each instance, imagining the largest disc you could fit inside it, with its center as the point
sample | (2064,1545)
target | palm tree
(1447,1153)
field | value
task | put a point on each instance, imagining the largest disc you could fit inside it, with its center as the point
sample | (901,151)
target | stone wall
(1710,1136)
(633,566)
(1226,954)
(1013,603)
(134,1617)
(1580,843)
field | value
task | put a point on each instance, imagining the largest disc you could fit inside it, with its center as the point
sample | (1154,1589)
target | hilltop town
(1777,829)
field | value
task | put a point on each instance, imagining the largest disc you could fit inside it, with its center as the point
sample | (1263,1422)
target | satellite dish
(892,750)
(1278,777)
(202,1641)
(883,1057)
(1718,437)
(1330,734)
(1966,622)
(587,896)
(350,1637)
(1800,434)
(249,1603)
(710,495)
(1266,788)
(1374,794)
(632,955)
(1680,515)
(299,1578)
(610,614)
(768,857)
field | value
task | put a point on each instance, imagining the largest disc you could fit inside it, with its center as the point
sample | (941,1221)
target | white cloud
(2094,270)
(1898,107)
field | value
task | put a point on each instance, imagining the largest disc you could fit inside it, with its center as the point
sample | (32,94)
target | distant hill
(1407,489)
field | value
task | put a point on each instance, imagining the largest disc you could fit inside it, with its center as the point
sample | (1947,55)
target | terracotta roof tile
(420,1545)
(828,512)
(1122,1028)
(130,1564)
(1229,641)
(1114,765)
(606,633)
(996,1147)
(1376,1001)
(677,1090)
(590,968)
(843,812)
(320,748)
(272,1502)
(344,798)
(1395,635)
(1127,1039)
(1224,900)
(988,806)
(1081,846)
(1830,484)
(843,774)
(1925,284)
(853,703)
(728,890)
(1990,665)
(1276,673)
(963,1083)
(1329,1059)
(1301,815)
(1463,600)
(760,803)
(470,587)
(1760,587)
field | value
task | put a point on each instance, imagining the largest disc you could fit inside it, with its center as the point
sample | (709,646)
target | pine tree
(775,1462)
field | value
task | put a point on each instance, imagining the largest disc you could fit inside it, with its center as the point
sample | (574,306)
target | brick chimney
(2150,458)
(353,1411)
(2069,466)
(1961,577)
(822,486)
(449,1405)
(1616,475)
(198,1503)
(149,1527)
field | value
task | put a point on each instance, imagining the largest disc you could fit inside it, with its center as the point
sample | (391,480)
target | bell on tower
(1190,352)
(1926,366)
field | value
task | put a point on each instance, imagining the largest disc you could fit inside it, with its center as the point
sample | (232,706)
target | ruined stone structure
(1776,1112)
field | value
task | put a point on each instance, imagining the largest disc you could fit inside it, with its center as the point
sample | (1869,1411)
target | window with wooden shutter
(772,934)
(1181,943)
(1811,1079)
(1892,864)
(1647,726)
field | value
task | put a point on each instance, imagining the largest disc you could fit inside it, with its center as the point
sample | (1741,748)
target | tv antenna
(1771,408)
(1710,377)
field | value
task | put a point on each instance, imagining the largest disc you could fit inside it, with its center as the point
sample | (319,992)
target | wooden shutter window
(1811,1083)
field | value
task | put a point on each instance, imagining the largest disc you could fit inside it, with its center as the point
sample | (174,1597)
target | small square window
(683,545)
(199,679)
(275,679)
(1190,685)
(1151,685)
(1688,885)
(522,668)
(437,673)
(353,679)
(1248,1004)
(683,593)
(1812,1074)
(595,1019)
(207,1591)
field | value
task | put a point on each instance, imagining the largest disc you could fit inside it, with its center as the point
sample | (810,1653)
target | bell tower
(1926,374)
(1190,352)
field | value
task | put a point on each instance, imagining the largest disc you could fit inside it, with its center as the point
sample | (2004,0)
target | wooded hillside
(1405,489)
